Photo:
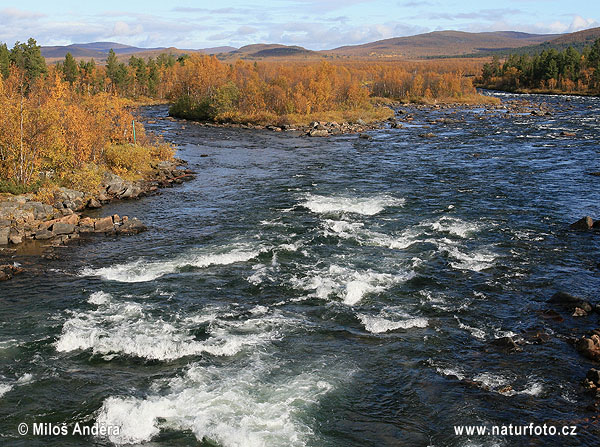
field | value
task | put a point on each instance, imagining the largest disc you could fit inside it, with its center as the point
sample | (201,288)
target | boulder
(131,226)
(585,223)
(93,204)
(364,136)
(86,225)
(43,234)
(63,228)
(318,133)
(571,303)
(427,135)
(4,233)
(104,225)
(73,219)
(15,238)
(589,347)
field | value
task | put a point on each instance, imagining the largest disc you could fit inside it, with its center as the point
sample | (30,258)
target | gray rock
(43,234)
(318,133)
(131,226)
(4,233)
(63,228)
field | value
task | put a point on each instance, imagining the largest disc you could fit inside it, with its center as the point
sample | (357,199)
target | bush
(87,179)
(128,160)
(16,188)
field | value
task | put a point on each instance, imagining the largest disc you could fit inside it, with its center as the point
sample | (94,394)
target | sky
(313,24)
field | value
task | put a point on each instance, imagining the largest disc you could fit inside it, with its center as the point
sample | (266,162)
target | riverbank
(23,219)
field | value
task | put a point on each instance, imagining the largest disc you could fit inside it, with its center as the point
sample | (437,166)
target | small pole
(133,123)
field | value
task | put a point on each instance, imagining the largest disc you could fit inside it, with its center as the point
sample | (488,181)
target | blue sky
(309,23)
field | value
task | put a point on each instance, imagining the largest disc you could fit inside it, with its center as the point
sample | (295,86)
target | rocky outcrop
(23,218)
(325,129)
(589,346)
(7,271)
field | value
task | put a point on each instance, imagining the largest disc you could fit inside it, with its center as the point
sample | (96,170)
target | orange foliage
(53,128)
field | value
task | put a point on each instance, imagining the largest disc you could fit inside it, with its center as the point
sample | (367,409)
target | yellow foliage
(50,126)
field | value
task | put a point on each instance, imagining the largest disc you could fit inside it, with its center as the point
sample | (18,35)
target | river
(323,291)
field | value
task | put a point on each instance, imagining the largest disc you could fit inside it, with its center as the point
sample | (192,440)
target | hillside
(261,51)
(577,40)
(442,43)
(99,51)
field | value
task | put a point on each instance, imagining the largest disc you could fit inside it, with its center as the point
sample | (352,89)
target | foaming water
(142,270)
(4,388)
(367,206)
(255,405)
(128,328)
(379,324)
(347,284)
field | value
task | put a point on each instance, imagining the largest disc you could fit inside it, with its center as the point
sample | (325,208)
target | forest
(53,133)
(551,71)
(66,124)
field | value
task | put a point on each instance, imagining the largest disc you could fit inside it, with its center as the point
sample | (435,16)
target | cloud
(579,23)
(124,29)
(16,14)
(484,14)
(246,30)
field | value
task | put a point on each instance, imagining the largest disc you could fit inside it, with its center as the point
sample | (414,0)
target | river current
(323,291)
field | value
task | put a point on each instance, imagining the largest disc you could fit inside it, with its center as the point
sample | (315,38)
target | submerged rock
(506,343)
(570,302)
(7,271)
(585,223)
(589,347)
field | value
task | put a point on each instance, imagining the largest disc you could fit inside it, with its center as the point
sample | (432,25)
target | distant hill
(442,43)
(577,40)
(262,50)
(422,46)
(99,51)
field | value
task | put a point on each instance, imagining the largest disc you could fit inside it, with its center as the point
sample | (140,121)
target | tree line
(52,133)
(566,71)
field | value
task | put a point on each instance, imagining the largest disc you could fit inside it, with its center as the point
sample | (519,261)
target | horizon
(310,24)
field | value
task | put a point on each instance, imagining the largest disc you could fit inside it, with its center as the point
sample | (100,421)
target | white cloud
(124,29)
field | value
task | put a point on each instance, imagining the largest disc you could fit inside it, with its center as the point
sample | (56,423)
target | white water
(129,328)
(4,388)
(256,405)
(142,270)
(349,285)
(367,206)
(379,324)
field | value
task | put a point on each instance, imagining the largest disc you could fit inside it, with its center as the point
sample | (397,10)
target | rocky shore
(23,219)
(403,113)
